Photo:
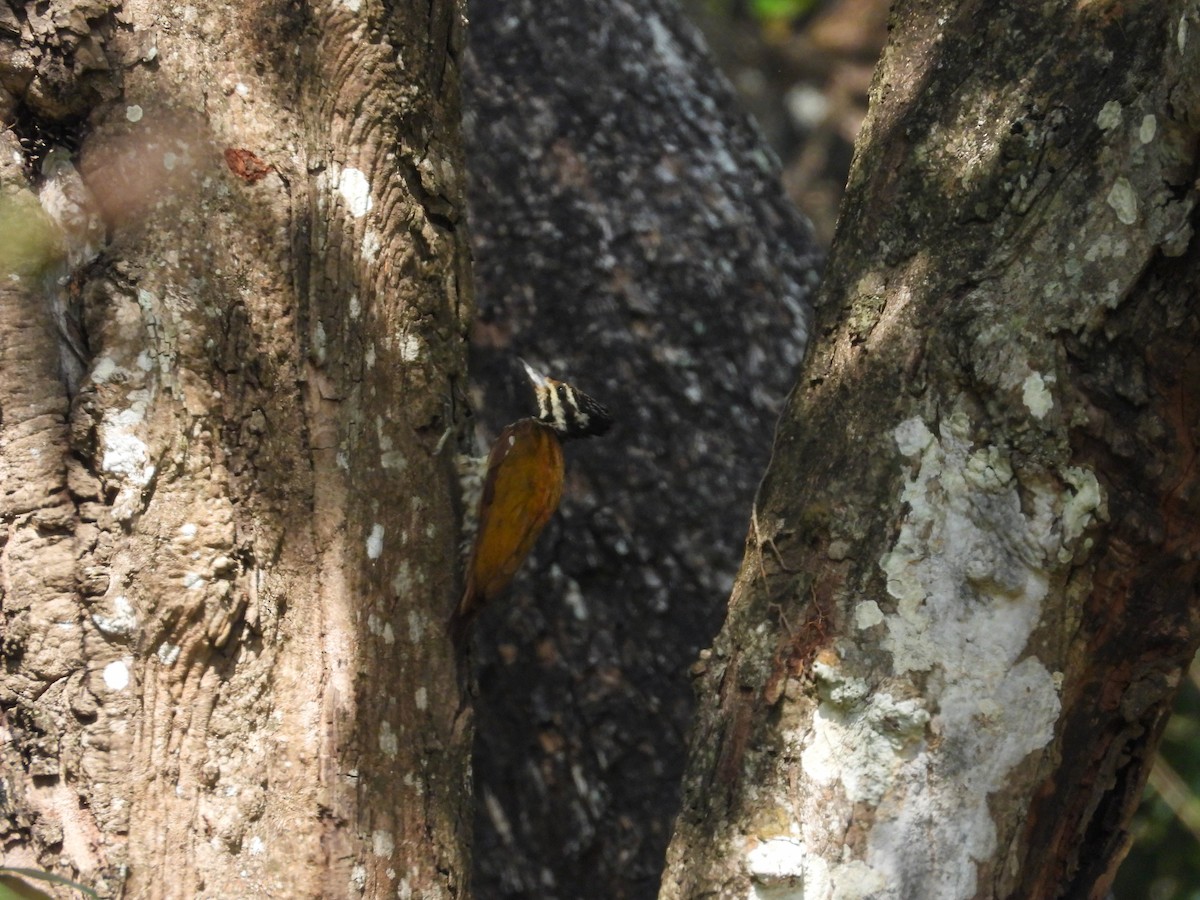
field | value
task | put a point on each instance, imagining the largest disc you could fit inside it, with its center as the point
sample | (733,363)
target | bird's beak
(539,380)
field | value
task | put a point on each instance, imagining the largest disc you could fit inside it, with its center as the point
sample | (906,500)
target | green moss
(815,519)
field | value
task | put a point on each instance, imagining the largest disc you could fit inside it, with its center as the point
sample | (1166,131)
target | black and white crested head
(569,411)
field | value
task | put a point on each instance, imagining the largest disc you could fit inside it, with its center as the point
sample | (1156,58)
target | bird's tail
(458,628)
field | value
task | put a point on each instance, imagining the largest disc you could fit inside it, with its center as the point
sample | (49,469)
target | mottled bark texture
(229,543)
(630,234)
(971,590)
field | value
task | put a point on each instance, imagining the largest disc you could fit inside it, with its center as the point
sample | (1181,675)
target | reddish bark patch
(246,165)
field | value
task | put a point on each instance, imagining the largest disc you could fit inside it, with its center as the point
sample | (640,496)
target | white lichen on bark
(967,574)
(355,189)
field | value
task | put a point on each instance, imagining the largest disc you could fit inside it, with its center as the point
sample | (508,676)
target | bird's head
(568,410)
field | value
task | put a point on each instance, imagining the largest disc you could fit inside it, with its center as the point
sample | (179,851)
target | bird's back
(521,491)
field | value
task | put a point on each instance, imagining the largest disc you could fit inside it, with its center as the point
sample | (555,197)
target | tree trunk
(230,545)
(969,594)
(629,234)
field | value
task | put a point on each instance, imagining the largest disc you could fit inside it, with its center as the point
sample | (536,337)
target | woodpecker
(521,488)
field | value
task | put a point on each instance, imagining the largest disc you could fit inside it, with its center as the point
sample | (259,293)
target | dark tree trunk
(971,590)
(630,234)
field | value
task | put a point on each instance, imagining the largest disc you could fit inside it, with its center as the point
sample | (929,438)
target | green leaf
(12,887)
(781,9)
(29,241)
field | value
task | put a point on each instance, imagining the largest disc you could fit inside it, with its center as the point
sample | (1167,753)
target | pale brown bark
(228,559)
(971,588)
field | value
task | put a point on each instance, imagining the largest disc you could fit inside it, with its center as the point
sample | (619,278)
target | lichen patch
(355,189)
(1036,396)
(375,542)
(968,574)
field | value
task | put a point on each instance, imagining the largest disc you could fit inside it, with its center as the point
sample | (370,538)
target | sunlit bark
(229,546)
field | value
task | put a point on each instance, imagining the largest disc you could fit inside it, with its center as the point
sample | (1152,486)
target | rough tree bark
(969,592)
(630,233)
(228,550)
